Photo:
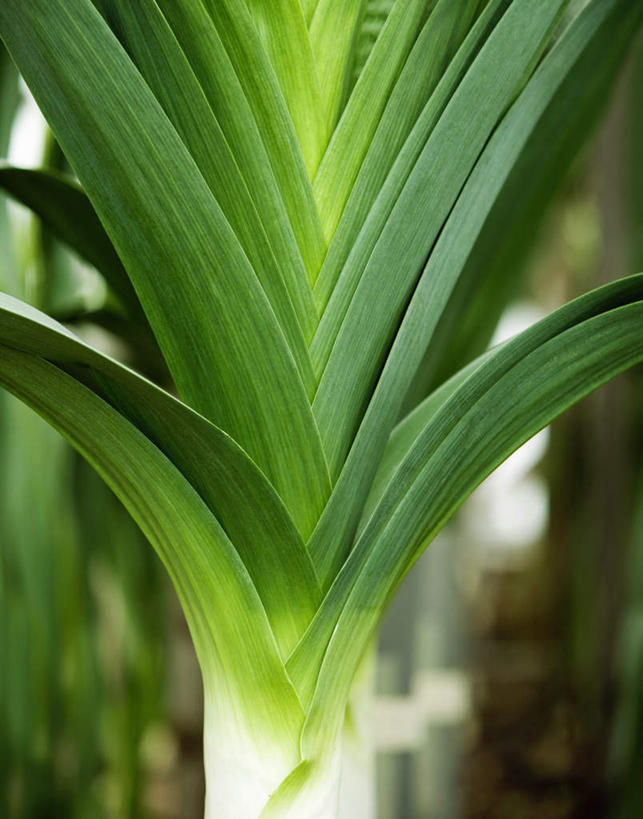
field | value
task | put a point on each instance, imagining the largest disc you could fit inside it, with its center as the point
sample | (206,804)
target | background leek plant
(71,714)
(287,207)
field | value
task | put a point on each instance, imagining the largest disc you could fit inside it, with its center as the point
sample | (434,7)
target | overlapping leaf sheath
(293,234)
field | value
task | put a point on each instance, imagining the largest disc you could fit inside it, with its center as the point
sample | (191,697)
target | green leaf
(143,354)
(64,208)
(333,35)
(215,590)
(307,791)
(424,79)
(9,101)
(510,227)
(308,7)
(368,296)
(375,15)
(363,114)
(407,431)
(542,104)
(524,383)
(216,467)
(228,57)
(354,133)
(180,252)
(283,21)
(144,32)
(635,188)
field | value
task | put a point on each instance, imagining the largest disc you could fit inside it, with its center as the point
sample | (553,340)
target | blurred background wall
(509,677)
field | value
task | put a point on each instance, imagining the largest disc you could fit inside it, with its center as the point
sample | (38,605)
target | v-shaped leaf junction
(286,194)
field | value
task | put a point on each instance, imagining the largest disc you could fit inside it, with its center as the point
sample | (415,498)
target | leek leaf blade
(526,383)
(350,357)
(213,585)
(225,477)
(183,258)
(507,163)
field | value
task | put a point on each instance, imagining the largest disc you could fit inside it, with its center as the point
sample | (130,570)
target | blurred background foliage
(510,670)
(84,609)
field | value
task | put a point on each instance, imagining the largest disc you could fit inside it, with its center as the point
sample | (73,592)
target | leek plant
(287,209)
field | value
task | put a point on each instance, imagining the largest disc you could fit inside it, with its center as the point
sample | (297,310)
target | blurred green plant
(626,751)
(66,725)
(293,249)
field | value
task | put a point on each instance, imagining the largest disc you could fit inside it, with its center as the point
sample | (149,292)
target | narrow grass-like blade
(375,15)
(228,57)
(333,35)
(511,226)
(282,22)
(357,337)
(354,133)
(415,93)
(398,217)
(407,431)
(9,101)
(147,37)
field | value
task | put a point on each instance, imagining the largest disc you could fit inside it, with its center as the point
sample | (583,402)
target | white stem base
(241,777)
(233,792)
(357,784)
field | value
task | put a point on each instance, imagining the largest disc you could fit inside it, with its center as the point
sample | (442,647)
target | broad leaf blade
(215,590)
(374,299)
(179,250)
(541,106)
(516,391)
(216,467)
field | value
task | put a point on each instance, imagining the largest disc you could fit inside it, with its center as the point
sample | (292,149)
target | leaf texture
(516,141)
(227,480)
(526,382)
(217,595)
(181,254)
